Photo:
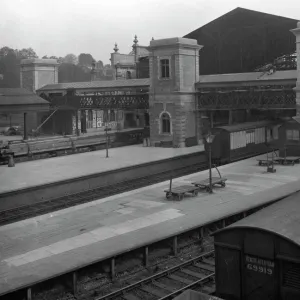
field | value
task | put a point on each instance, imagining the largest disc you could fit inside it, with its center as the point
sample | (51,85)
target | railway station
(184,159)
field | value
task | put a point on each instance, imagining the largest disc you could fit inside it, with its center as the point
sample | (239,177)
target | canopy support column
(25,127)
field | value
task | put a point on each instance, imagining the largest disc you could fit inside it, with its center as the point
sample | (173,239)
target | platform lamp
(209,140)
(106,137)
(270,167)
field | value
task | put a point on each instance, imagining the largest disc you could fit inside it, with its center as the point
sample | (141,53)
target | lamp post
(106,136)
(209,139)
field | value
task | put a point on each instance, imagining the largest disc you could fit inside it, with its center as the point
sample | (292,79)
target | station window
(165,68)
(165,123)
(292,135)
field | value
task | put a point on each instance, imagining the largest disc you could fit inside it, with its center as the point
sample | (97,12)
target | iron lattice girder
(137,101)
(244,99)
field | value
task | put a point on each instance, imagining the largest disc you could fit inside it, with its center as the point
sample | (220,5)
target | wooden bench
(205,184)
(264,162)
(287,160)
(180,191)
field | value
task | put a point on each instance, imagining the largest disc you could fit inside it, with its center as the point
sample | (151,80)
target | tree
(72,73)
(9,68)
(70,59)
(85,59)
(45,57)
(5,50)
(100,64)
(27,53)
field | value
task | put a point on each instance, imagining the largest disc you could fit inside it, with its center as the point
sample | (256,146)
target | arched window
(165,123)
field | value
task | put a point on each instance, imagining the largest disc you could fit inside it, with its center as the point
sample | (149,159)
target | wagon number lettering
(259,269)
(260,265)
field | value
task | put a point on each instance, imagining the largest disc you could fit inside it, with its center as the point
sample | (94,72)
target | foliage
(85,59)
(26,53)
(68,70)
(72,73)
(70,59)
(10,60)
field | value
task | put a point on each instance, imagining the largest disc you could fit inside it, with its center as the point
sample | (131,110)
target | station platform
(44,171)
(36,249)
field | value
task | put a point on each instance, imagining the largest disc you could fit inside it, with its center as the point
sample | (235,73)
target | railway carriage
(235,142)
(258,257)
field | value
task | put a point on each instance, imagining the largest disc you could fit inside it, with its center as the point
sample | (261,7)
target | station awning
(19,100)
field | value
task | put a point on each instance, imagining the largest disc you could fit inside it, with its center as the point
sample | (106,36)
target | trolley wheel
(260,163)
(195,193)
(168,195)
(293,163)
(207,189)
(223,184)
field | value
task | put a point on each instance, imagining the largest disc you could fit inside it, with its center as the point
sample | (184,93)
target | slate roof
(97,84)
(249,77)
(19,96)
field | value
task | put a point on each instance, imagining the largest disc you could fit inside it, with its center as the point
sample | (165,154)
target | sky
(60,27)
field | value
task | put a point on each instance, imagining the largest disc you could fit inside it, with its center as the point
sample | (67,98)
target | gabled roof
(240,10)
(97,84)
(20,96)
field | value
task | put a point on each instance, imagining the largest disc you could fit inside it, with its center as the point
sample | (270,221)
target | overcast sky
(59,27)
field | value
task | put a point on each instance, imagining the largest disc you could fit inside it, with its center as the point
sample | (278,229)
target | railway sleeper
(207,261)
(205,267)
(180,279)
(153,291)
(130,297)
(163,286)
(192,273)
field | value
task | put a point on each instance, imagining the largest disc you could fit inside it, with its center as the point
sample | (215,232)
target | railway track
(196,273)
(28,211)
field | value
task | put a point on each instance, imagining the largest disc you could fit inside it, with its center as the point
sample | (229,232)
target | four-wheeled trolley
(287,160)
(205,184)
(180,191)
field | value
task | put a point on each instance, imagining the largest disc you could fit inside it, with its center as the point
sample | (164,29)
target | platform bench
(180,191)
(287,160)
(204,184)
(264,162)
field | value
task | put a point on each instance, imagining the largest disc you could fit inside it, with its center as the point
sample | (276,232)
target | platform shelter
(20,107)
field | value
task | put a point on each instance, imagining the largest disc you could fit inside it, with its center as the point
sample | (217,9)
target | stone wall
(173,95)
(36,73)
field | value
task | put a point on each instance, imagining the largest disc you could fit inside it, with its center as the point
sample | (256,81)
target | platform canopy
(19,100)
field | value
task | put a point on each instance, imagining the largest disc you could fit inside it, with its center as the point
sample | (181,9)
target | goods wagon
(289,138)
(258,257)
(235,142)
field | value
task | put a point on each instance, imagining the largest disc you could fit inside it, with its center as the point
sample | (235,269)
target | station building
(183,96)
